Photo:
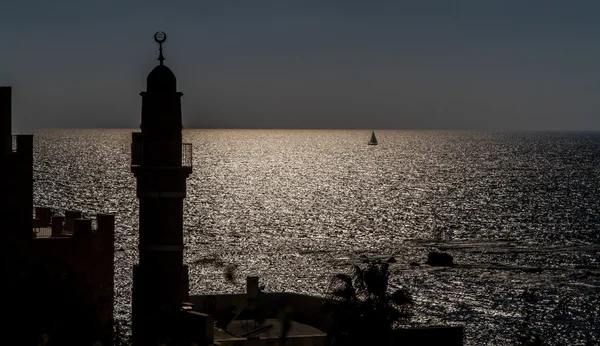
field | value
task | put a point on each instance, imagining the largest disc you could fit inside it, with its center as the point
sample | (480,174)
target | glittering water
(296,207)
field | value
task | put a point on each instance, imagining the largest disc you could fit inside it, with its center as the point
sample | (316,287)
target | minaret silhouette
(160,280)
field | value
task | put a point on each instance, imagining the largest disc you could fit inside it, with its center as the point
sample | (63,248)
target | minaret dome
(161,78)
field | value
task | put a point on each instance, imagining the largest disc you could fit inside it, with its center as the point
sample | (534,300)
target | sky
(377,64)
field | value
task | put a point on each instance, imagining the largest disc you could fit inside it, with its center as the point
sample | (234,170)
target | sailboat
(373,140)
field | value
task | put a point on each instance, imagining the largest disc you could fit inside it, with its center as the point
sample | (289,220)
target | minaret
(161,164)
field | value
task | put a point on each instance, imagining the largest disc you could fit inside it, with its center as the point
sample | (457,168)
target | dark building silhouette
(16,179)
(57,270)
(161,164)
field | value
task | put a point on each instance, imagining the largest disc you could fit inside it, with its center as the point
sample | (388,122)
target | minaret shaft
(160,281)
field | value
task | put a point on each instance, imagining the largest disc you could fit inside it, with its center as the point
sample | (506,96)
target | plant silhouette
(363,310)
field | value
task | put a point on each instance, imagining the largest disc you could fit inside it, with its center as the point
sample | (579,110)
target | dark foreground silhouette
(363,311)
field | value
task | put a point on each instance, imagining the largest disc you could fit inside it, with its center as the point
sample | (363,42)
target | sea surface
(520,213)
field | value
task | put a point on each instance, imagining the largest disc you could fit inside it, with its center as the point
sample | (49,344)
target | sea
(518,211)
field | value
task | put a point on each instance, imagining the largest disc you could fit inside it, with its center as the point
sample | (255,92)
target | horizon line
(22,131)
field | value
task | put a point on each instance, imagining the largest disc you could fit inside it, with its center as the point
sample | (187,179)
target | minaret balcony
(137,155)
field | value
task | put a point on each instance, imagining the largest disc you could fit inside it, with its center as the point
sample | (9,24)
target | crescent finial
(160,37)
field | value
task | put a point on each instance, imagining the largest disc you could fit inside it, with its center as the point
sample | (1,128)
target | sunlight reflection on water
(296,207)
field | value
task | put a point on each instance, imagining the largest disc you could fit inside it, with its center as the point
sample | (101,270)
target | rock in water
(440,259)
(533,270)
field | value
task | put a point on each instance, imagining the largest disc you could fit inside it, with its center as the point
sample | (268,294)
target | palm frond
(345,293)
(342,278)
(341,287)
(359,278)
(362,307)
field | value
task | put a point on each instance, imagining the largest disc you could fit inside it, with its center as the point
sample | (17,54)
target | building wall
(16,178)
(304,308)
(69,274)
(90,260)
(5,118)
(16,191)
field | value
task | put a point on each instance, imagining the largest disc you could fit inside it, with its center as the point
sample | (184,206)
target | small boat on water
(373,140)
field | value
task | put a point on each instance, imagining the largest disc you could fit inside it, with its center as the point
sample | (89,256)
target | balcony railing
(43,219)
(137,154)
(186,155)
(42,232)
(14,143)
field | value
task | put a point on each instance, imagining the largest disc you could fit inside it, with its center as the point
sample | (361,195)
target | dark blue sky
(492,65)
